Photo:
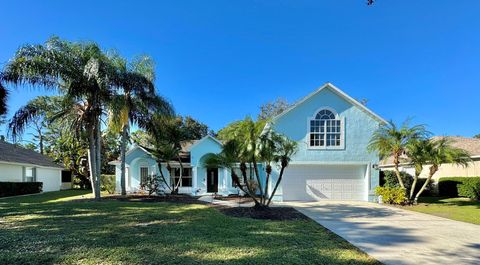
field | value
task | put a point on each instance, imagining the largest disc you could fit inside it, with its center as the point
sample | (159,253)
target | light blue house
(332,162)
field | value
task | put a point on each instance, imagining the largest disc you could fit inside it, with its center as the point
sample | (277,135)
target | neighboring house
(332,162)
(18,164)
(471,145)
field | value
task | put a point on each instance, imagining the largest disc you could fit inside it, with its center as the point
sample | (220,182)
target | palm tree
(81,72)
(136,101)
(270,147)
(248,133)
(228,158)
(392,140)
(36,112)
(439,152)
(417,156)
(167,135)
(285,149)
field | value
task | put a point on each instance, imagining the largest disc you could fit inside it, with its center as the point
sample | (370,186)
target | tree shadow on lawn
(160,233)
(449,201)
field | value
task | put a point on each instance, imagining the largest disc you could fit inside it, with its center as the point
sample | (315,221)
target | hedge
(19,188)
(388,178)
(107,183)
(457,186)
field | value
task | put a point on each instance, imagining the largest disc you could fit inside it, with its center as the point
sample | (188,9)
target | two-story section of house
(332,162)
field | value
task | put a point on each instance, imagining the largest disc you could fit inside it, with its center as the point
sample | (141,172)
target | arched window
(326,130)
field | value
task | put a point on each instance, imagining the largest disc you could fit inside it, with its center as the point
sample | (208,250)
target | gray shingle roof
(15,154)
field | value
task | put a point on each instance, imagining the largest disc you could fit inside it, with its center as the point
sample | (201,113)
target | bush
(389,179)
(449,186)
(153,184)
(107,183)
(391,195)
(470,188)
(19,188)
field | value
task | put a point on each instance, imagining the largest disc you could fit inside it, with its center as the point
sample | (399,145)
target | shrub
(107,183)
(389,179)
(391,195)
(470,188)
(19,188)
(153,184)
(449,186)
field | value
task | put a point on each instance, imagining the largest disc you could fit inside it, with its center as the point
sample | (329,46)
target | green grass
(61,228)
(460,209)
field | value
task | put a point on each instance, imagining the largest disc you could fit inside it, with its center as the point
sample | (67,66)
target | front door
(212,180)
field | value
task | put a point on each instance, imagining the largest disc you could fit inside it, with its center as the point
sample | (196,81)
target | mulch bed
(273,213)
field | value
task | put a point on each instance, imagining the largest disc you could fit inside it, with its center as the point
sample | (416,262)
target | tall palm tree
(440,152)
(136,101)
(392,140)
(79,71)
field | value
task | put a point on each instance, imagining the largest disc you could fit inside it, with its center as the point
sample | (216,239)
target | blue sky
(220,60)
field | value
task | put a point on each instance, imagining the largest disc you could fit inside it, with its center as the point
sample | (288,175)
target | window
(186,177)
(250,175)
(326,130)
(143,175)
(29,174)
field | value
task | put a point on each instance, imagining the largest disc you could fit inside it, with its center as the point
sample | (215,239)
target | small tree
(249,145)
(152,184)
(392,140)
(438,152)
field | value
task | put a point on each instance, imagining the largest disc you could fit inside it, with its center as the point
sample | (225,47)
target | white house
(19,164)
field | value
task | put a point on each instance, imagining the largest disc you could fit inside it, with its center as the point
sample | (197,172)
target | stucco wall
(51,178)
(445,170)
(12,173)
(358,129)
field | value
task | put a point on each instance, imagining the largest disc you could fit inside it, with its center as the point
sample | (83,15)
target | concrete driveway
(396,236)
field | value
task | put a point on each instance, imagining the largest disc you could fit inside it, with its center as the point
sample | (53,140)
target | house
(332,162)
(18,164)
(471,145)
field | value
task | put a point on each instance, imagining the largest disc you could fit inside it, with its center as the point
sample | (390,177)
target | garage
(324,182)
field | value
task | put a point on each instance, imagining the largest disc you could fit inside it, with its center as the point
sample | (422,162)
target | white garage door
(324,182)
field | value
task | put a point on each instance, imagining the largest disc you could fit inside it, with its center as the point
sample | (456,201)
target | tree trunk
(418,171)
(98,159)
(276,185)
(268,171)
(433,170)
(397,172)
(159,163)
(247,191)
(255,169)
(123,147)
(177,185)
(92,160)
(40,142)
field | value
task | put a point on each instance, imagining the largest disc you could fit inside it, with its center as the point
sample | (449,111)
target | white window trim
(191,176)
(342,131)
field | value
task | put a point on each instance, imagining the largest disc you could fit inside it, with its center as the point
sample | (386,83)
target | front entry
(212,180)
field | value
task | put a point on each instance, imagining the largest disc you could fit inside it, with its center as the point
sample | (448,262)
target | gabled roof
(339,92)
(11,153)
(203,139)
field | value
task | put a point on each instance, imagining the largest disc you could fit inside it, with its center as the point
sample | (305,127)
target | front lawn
(64,228)
(460,209)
